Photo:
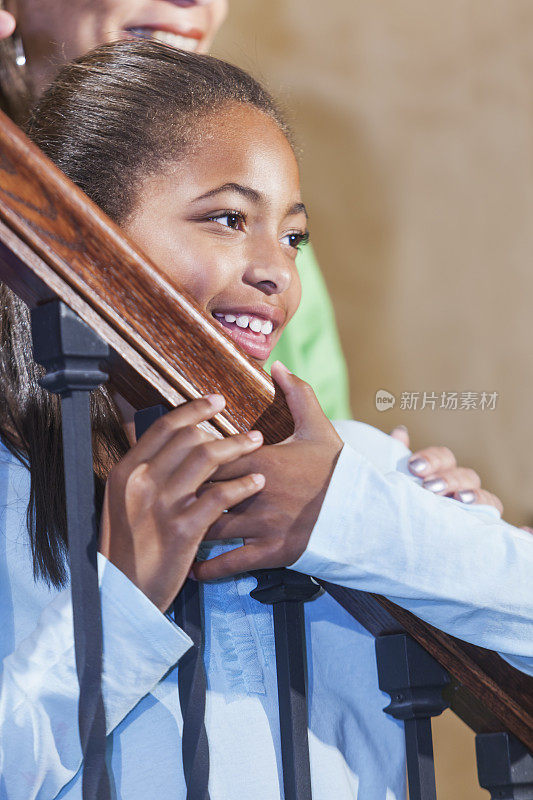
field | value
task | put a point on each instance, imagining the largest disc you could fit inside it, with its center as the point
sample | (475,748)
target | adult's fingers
(7,24)
(479,497)
(431,461)
(242,559)
(453,480)
(301,399)
(202,512)
(401,434)
(233,525)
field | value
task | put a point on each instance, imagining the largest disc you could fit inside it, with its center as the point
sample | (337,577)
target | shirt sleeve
(40,749)
(468,574)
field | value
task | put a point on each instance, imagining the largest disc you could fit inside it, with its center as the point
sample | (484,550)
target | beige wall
(416,122)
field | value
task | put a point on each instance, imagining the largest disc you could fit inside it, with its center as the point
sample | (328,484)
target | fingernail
(258,479)
(216,400)
(400,428)
(468,496)
(418,465)
(283,367)
(255,436)
(435,485)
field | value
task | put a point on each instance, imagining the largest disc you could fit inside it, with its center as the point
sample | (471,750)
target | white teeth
(255,324)
(173,39)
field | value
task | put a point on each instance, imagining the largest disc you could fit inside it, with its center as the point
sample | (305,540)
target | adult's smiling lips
(173,35)
(252,328)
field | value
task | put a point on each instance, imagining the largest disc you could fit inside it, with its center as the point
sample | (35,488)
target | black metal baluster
(505,766)
(414,681)
(73,355)
(192,682)
(287,591)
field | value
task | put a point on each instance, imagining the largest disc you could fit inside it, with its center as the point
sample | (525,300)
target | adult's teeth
(173,39)
(266,327)
(242,322)
(230,317)
(256,325)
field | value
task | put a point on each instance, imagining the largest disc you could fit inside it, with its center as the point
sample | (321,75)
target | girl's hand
(437,466)
(7,24)
(277,526)
(153,521)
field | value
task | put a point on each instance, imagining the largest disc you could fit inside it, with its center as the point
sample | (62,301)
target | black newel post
(192,682)
(414,681)
(287,591)
(73,356)
(504,766)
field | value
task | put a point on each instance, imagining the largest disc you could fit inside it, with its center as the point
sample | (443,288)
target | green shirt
(310,345)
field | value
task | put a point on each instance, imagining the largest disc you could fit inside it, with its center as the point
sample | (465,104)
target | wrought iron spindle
(505,766)
(414,681)
(73,355)
(287,591)
(192,682)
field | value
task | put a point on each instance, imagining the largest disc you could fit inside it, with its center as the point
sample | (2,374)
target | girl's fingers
(453,480)
(175,450)
(163,429)
(432,460)
(479,497)
(204,511)
(242,559)
(7,24)
(203,461)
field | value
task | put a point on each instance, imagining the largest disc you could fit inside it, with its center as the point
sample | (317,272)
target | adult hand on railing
(7,24)
(437,467)
(298,471)
(153,521)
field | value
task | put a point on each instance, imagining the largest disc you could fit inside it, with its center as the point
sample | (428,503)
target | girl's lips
(257,345)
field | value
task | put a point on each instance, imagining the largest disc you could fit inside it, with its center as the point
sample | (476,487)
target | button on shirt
(460,568)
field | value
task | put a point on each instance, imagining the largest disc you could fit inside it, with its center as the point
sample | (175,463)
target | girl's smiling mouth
(252,328)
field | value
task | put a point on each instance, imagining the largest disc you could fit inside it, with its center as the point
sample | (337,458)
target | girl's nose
(269,272)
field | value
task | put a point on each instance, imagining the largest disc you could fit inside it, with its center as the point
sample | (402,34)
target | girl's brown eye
(233,221)
(295,239)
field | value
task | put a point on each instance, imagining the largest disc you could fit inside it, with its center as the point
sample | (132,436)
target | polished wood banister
(54,242)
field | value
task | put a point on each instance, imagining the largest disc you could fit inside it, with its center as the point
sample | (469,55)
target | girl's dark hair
(112,117)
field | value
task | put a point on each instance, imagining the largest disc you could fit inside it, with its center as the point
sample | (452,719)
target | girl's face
(225,223)
(56,31)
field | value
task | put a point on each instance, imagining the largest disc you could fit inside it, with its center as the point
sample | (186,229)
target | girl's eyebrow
(297,208)
(250,194)
(245,191)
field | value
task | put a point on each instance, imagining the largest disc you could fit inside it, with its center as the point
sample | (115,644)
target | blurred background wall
(416,126)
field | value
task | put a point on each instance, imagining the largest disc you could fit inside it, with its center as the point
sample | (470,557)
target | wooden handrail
(54,242)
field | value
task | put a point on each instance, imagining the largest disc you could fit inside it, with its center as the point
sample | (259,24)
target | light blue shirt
(458,568)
